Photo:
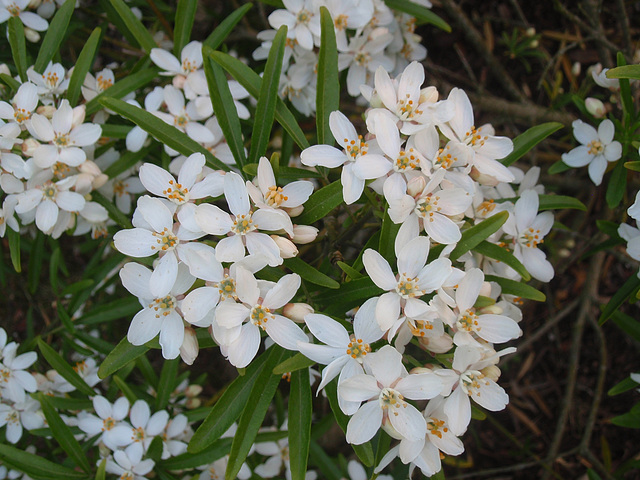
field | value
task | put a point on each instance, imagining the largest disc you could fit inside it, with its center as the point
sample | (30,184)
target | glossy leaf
(503,255)
(351,272)
(64,369)
(120,356)
(122,87)
(635,166)
(310,274)
(166,384)
(622,294)
(185,15)
(215,39)
(328,88)
(114,212)
(15,34)
(524,142)
(388,233)
(349,295)
(83,66)
(297,362)
(627,324)
(36,466)
(519,289)
(626,71)
(321,203)
(422,14)
(10,82)
(623,386)
(558,167)
(136,28)
(55,34)
(300,410)
(14,249)
(478,233)
(617,185)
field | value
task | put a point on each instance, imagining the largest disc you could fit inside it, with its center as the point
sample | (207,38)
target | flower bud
(189,348)
(293,211)
(429,95)
(193,403)
(31,35)
(29,146)
(491,372)
(416,185)
(576,69)
(46,110)
(303,234)
(99,181)
(297,311)
(179,81)
(595,107)
(491,309)
(4,68)
(530,32)
(440,344)
(33,4)
(286,246)
(485,289)
(90,168)
(79,113)
(483,178)
(193,390)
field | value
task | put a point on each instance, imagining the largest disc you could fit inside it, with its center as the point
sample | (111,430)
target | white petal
(364,424)
(379,269)
(236,194)
(285,332)
(171,335)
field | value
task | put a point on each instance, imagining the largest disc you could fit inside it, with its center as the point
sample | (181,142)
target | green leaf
(297,362)
(122,87)
(36,257)
(364,451)
(503,255)
(114,212)
(559,202)
(215,39)
(36,466)
(351,272)
(268,97)
(634,166)
(101,474)
(83,65)
(324,462)
(64,369)
(14,249)
(55,33)
(628,420)
(627,324)
(254,412)
(388,233)
(626,71)
(628,288)
(15,32)
(349,295)
(617,186)
(300,409)
(524,142)
(608,228)
(224,108)
(228,407)
(62,433)
(217,450)
(166,383)
(10,82)
(252,82)
(120,356)
(307,272)
(625,93)
(558,167)
(422,14)
(519,289)
(328,89)
(165,133)
(624,386)
(183,23)
(115,131)
(478,233)
(123,307)
(124,388)
(70,403)
(135,26)
(296,173)
(321,203)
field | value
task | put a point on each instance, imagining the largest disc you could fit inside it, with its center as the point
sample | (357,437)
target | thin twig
(165,24)
(593,8)
(623,19)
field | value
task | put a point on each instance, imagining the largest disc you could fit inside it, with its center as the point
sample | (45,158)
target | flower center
(427,206)
(419,327)
(436,427)
(5,375)
(165,240)
(407,109)
(51,78)
(274,196)
(355,148)
(406,161)
(138,434)
(407,287)
(49,191)
(260,315)
(177,193)
(21,115)
(595,147)
(163,306)
(127,476)
(243,224)
(390,399)
(60,170)
(362,59)
(468,321)
(13,417)
(181,120)
(80,367)
(108,423)
(189,66)
(103,83)
(119,187)
(357,348)
(341,21)
(284,453)
(62,140)
(470,382)
(303,16)
(473,138)
(227,288)
(487,207)
(13,9)
(530,238)
(444,159)
(213,474)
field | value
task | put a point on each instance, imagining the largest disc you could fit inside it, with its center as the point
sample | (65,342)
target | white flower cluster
(368,33)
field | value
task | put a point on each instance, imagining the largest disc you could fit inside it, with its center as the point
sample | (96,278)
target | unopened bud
(297,311)
(595,107)
(193,390)
(491,309)
(416,185)
(4,68)
(46,110)
(31,35)
(293,211)
(286,246)
(29,146)
(429,95)
(90,168)
(485,289)
(483,178)
(440,344)
(530,32)
(79,113)
(99,181)
(576,69)
(193,403)
(491,372)
(189,348)
(534,43)
(179,81)
(33,4)
(303,234)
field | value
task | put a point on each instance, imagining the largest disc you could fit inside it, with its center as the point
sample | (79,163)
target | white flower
(93,86)
(184,118)
(110,421)
(51,82)
(596,149)
(18,415)
(17,8)
(191,60)
(24,102)
(145,426)
(128,464)
(301,20)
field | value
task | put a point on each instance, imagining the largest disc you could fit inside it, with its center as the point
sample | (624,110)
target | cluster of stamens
(486,207)
(163,306)
(243,224)
(137,435)
(530,238)
(176,193)
(362,59)
(303,16)
(390,398)
(60,170)
(103,83)
(407,287)
(444,160)
(595,147)
(227,288)
(260,315)
(436,427)
(407,109)
(5,375)
(181,120)
(188,66)
(21,115)
(427,206)
(406,161)
(357,348)
(13,9)
(51,78)
(468,321)
(419,327)
(340,21)
(165,240)
(80,367)
(470,382)
(62,140)
(49,191)
(119,187)
(355,148)
(108,423)
(274,196)
(474,139)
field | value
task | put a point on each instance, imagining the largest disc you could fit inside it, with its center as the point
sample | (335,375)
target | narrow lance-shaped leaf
(252,82)
(10,82)
(349,295)
(321,203)
(14,249)
(120,356)
(135,26)
(114,213)
(185,14)
(297,362)
(165,133)
(524,142)
(64,369)
(83,65)
(617,183)
(15,32)
(627,324)
(307,272)
(224,108)
(625,93)
(519,289)
(167,382)
(55,33)
(476,234)
(559,202)
(626,71)
(122,87)
(300,409)
(328,89)
(268,97)
(36,466)
(215,39)
(496,252)
(254,412)
(62,433)
(388,234)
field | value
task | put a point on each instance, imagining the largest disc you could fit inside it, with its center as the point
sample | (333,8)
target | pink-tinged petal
(386,365)
(606,130)
(578,157)
(155,179)
(492,396)
(230,314)
(365,423)
(458,410)
(282,292)
(422,386)
(469,289)
(413,256)
(408,422)
(597,168)
(171,335)
(144,327)
(135,278)
(236,194)
(387,310)
(244,349)
(434,275)
(165,60)
(379,269)
(323,155)
(164,275)
(135,242)
(230,249)
(46,215)
(613,151)
(327,330)
(584,132)
(442,229)
(352,185)
(359,388)
(213,220)
(324,355)
(497,328)
(285,332)
(371,166)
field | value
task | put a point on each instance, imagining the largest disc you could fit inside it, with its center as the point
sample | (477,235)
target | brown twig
(165,24)
(623,19)
(528,112)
